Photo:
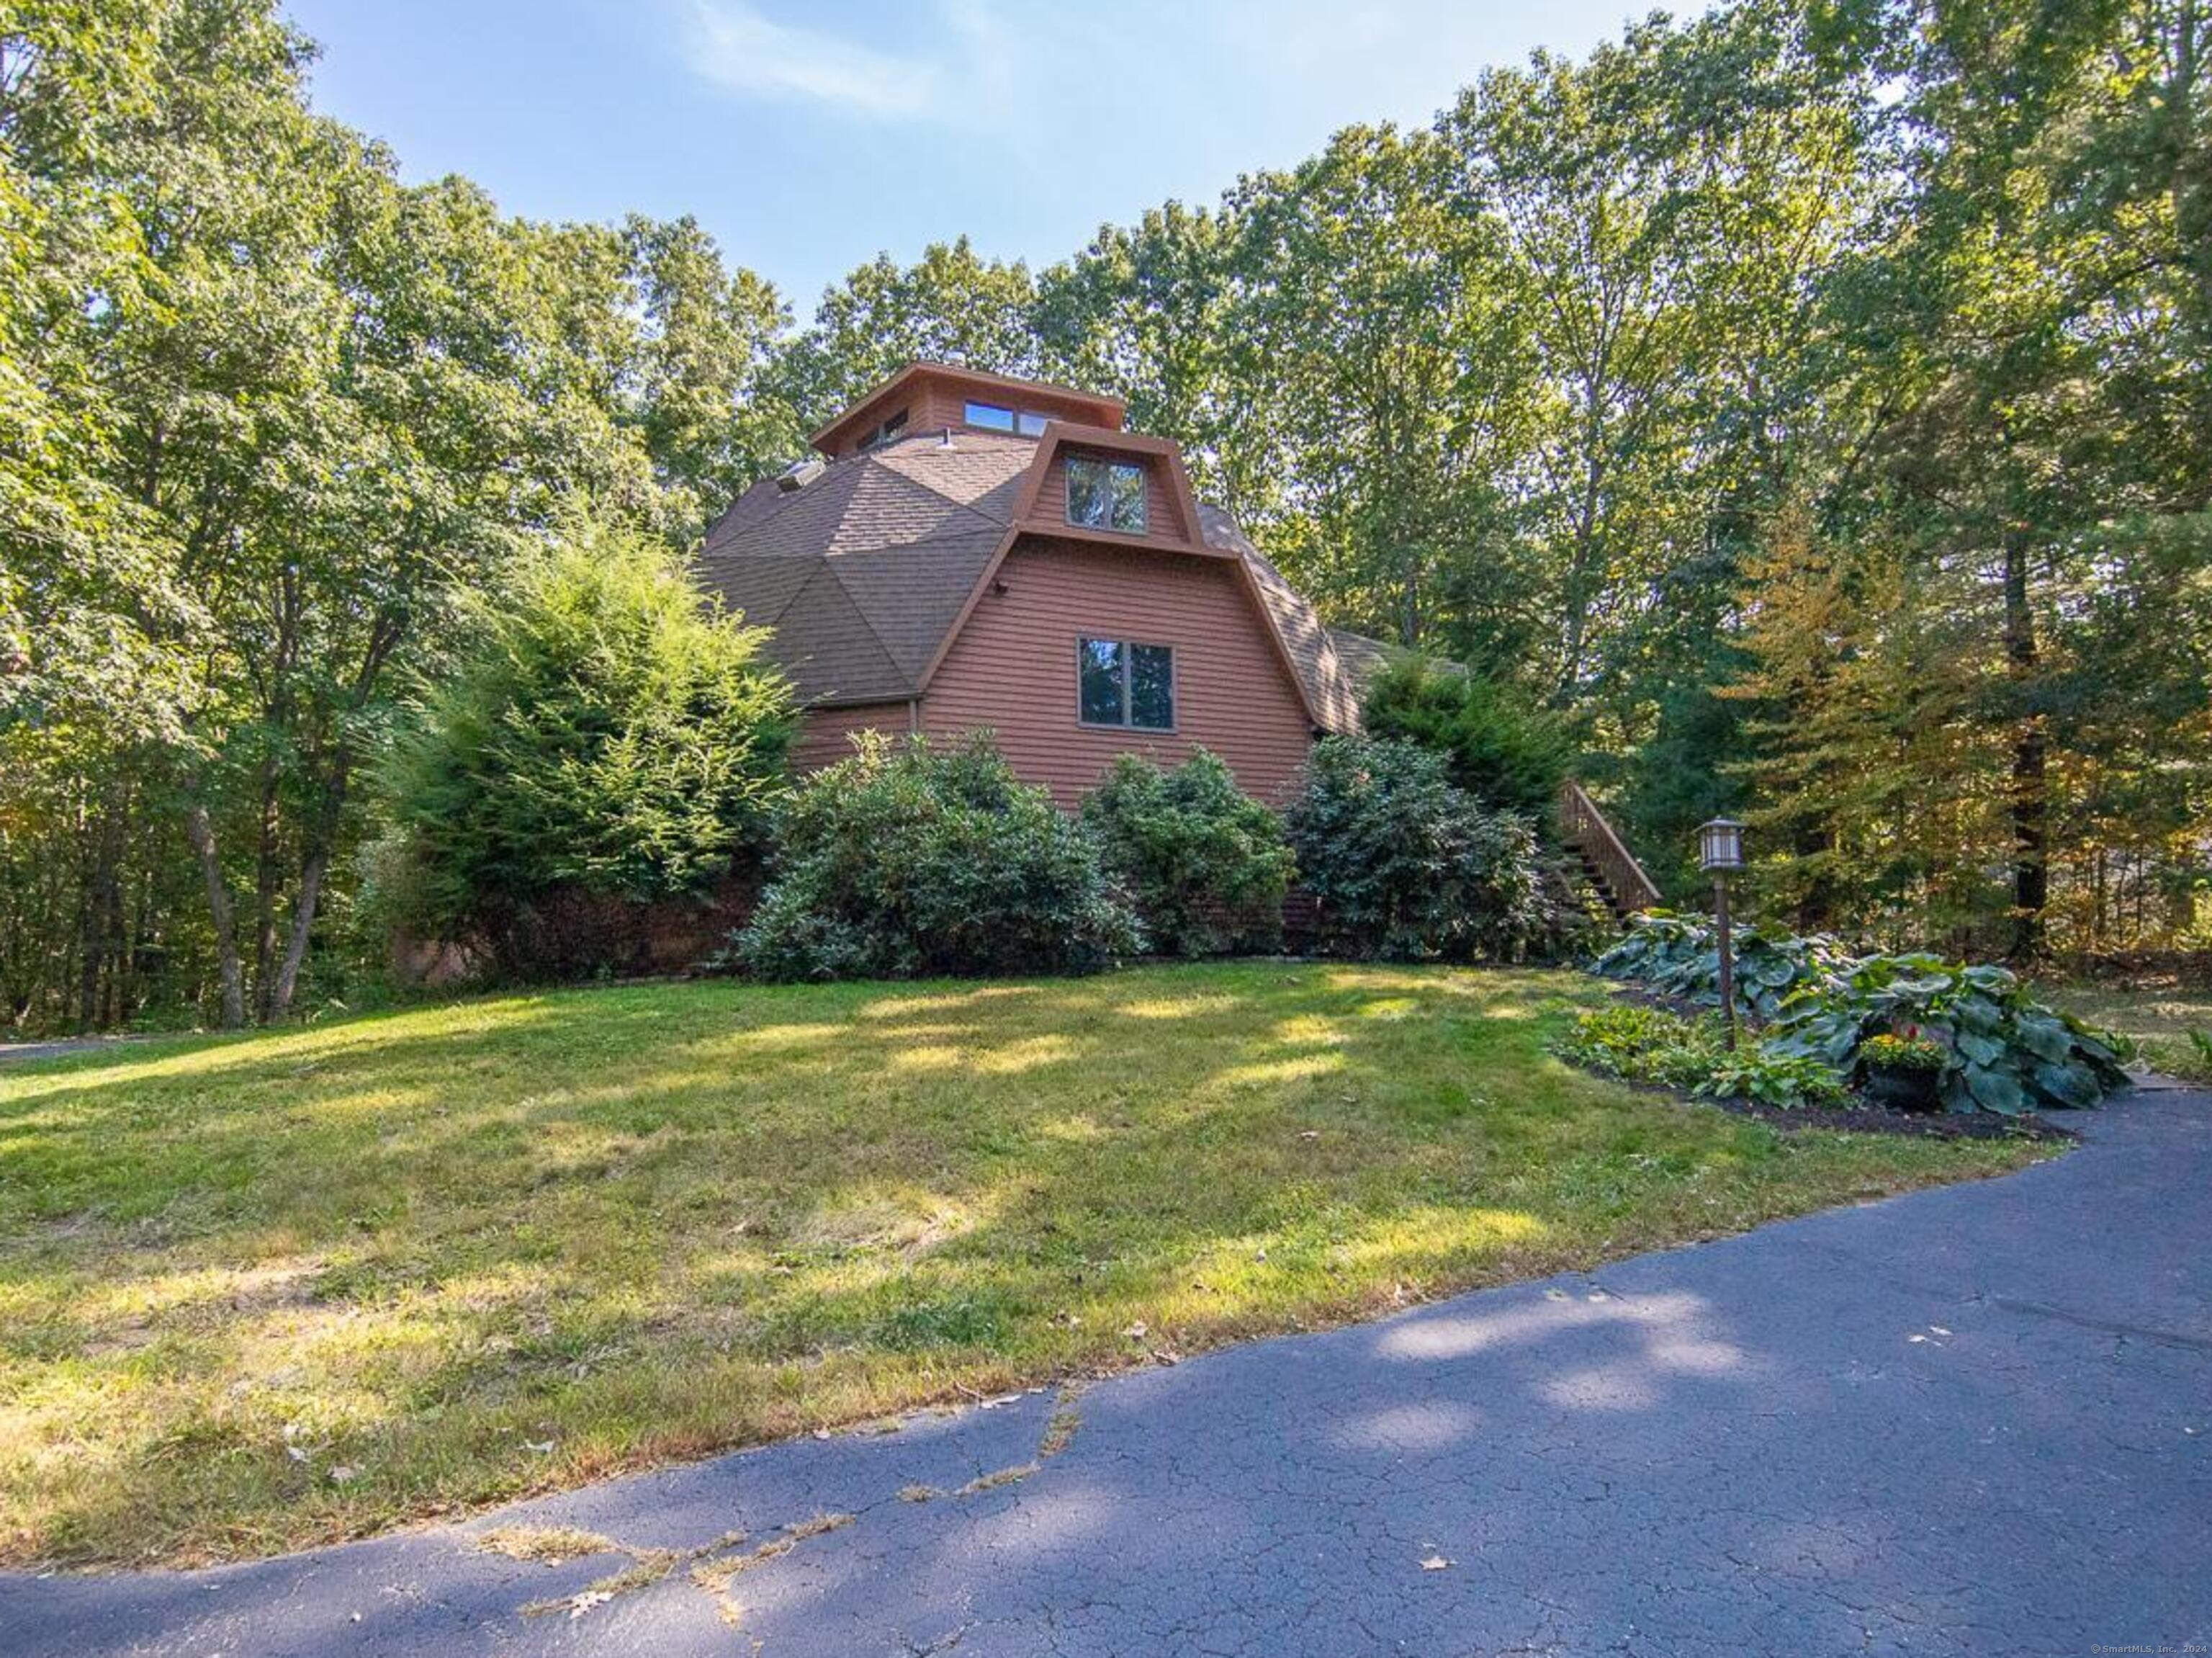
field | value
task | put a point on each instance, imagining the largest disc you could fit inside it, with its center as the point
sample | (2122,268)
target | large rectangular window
(1127,685)
(1106,495)
(992,418)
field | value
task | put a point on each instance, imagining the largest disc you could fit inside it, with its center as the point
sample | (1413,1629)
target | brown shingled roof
(864,571)
(1329,689)
(1363,658)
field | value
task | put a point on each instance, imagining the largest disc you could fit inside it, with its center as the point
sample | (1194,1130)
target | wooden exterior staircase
(1607,865)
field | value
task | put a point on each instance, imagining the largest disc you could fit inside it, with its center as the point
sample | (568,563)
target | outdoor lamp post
(1719,848)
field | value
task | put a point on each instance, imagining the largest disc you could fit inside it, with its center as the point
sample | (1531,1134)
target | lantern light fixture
(1720,851)
(1720,844)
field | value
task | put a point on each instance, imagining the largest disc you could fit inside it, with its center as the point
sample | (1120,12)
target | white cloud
(735,46)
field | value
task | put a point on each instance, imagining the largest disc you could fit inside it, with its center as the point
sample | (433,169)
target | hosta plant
(1679,955)
(1649,1044)
(1642,1045)
(2003,1052)
(1762,1074)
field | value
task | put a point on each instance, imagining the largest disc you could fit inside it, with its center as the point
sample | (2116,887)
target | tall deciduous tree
(271,413)
(1375,322)
(950,305)
(2020,387)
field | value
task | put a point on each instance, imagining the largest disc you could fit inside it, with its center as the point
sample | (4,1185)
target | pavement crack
(715,1576)
(997,1476)
(1066,1422)
(2103,1326)
(556,1546)
(1059,1432)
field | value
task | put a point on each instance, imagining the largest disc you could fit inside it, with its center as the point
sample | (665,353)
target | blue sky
(807,138)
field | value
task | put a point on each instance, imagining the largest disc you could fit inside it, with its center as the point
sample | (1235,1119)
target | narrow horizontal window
(1106,495)
(990,417)
(1126,685)
(1029,424)
(889,430)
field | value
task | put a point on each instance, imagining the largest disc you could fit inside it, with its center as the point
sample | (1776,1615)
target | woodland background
(1810,404)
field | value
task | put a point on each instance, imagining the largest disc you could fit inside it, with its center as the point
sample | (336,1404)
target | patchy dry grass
(274,1291)
(548,1545)
(1067,1422)
(2159,1019)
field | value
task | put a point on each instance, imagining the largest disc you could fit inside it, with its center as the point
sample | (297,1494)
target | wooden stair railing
(1611,865)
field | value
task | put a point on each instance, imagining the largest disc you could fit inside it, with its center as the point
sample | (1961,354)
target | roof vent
(945,442)
(799,473)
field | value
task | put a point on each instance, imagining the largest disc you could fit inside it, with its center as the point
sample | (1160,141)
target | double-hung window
(1127,685)
(1105,495)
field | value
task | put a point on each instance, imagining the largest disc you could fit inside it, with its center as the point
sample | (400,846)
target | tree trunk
(312,870)
(199,830)
(95,871)
(264,893)
(2031,800)
(2190,188)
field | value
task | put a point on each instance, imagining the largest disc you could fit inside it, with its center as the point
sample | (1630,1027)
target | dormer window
(888,431)
(1106,495)
(994,417)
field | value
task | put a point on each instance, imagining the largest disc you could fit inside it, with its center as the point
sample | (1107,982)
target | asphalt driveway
(1975,1420)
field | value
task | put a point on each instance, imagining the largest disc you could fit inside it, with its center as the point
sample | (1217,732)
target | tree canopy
(1805,405)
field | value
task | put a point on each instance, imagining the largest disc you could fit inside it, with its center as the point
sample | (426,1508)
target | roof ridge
(790,499)
(948,531)
(829,569)
(965,508)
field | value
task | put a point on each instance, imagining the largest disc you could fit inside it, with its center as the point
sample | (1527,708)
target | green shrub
(1499,745)
(1404,864)
(605,738)
(1206,865)
(1999,1050)
(1679,955)
(1912,1053)
(1760,1072)
(905,859)
(1642,1045)
(2005,1053)
(1649,1044)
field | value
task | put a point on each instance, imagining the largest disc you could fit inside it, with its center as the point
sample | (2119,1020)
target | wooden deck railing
(1586,831)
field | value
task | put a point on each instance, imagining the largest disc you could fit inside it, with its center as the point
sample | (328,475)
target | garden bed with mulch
(1879,1119)
(1857,1119)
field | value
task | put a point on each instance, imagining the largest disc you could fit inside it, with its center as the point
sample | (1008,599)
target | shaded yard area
(267,1291)
(2159,1017)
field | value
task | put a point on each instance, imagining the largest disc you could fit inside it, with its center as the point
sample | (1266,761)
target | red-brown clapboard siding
(932,405)
(825,734)
(1013,667)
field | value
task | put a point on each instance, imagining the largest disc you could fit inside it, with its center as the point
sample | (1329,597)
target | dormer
(934,397)
(1105,486)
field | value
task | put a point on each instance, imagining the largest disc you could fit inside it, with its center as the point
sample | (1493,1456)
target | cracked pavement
(1971,1420)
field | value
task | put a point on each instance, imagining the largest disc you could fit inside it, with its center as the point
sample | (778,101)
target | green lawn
(272,1291)
(2159,1019)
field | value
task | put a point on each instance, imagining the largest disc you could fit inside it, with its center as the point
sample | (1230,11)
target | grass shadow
(265,1292)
